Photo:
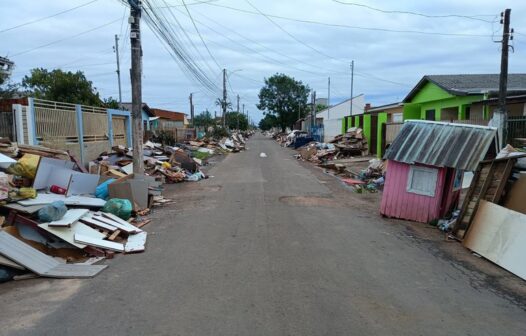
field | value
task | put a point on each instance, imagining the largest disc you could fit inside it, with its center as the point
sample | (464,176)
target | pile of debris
(352,143)
(58,219)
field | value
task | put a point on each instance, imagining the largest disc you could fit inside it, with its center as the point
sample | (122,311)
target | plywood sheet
(105,244)
(136,243)
(69,218)
(499,234)
(119,226)
(40,263)
(68,233)
(6,262)
(82,184)
(53,172)
(43,199)
(517,195)
(97,223)
(121,221)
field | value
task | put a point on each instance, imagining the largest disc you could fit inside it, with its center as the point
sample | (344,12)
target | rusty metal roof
(441,144)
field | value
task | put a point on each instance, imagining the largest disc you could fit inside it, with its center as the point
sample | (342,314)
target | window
(422,181)
(430,115)
(468,113)
(398,117)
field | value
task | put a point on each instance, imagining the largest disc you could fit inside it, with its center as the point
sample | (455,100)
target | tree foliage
(111,103)
(268,122)
(236,120)
(7,89)
(204,119)
(58,85)
(285,98)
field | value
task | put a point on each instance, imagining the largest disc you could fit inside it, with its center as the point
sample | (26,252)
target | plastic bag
(26,166)
(102,189)
(4,186)
(119,207)
(52,212)
(27,193)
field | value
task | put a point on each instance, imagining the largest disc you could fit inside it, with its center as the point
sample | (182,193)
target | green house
(450,97)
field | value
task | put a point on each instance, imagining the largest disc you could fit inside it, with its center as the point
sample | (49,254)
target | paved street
(268,246)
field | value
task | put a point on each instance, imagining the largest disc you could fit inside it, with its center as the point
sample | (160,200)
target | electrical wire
(66,38)
(48,17)
(200,37)
(471,17)
(349,26)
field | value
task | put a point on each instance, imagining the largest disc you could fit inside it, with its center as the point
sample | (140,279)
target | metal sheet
(441,144)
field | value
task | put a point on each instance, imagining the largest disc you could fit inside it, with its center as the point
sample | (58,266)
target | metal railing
(517,131)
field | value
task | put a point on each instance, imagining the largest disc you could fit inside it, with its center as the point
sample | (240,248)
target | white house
(332,118)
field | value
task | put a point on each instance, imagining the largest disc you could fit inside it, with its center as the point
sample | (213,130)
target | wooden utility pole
(192,108)
(118,68)
(503,80)
(329,98)
(136,84)
(224,98)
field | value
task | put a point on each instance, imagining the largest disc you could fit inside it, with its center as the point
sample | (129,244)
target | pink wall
(398,203)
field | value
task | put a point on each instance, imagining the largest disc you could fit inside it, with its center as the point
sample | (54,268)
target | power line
(349,26)
(48,17)
(471,17)
(198,33)
(289,34)
(65,38)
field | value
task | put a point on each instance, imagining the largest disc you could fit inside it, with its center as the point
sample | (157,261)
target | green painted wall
(432,97)
(349,123)
(382,119)
(367,127)
(430,92)
(411,111)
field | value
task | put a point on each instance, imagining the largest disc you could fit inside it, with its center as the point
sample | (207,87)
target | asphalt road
(267,247)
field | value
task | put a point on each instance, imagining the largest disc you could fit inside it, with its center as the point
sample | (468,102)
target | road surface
(269,246)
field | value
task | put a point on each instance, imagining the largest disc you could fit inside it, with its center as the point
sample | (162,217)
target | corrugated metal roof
(441,144)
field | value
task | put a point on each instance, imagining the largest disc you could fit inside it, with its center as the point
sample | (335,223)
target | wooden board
(43,199)
(517,195)
(97,223)
(41,263)
(499,234)
(6,262)
(23,209)
(136,243)
(126,228)
(121,221)
(105,244)
(69,218)
(67,234)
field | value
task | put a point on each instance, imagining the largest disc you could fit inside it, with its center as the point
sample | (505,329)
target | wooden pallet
(488,184)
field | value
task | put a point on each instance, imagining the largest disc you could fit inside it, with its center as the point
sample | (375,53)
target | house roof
(441,144)
(170,115)
(471,84)
(145,108)
(381,108)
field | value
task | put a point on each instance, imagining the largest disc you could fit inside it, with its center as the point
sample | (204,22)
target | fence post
(18,123)
(110,127)
(129,134)
(31,122)
(80,131)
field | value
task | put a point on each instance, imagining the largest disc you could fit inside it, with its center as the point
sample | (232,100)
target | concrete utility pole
(224,98)
(313,112)
(352,84)
(192,108)
(136,83)
(329,99)
(503,81)
(118,67)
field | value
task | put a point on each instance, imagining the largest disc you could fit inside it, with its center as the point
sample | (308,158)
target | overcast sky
(387,63)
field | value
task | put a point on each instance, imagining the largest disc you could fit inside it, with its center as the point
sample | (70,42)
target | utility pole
(224,98)
(329,99)
(352,84)
(313,112)
(118,68)
(503,80)
(192,108)
(136,84)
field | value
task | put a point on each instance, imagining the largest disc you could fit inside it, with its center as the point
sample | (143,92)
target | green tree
(111,103)
(237,120)
(285,98)
(268,122)
(58,85)
(204,119)
(7,89)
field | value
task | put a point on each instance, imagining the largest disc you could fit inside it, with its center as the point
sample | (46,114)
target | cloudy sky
(308,39)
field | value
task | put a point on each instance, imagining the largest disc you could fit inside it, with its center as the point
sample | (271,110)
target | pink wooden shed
(425,166)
